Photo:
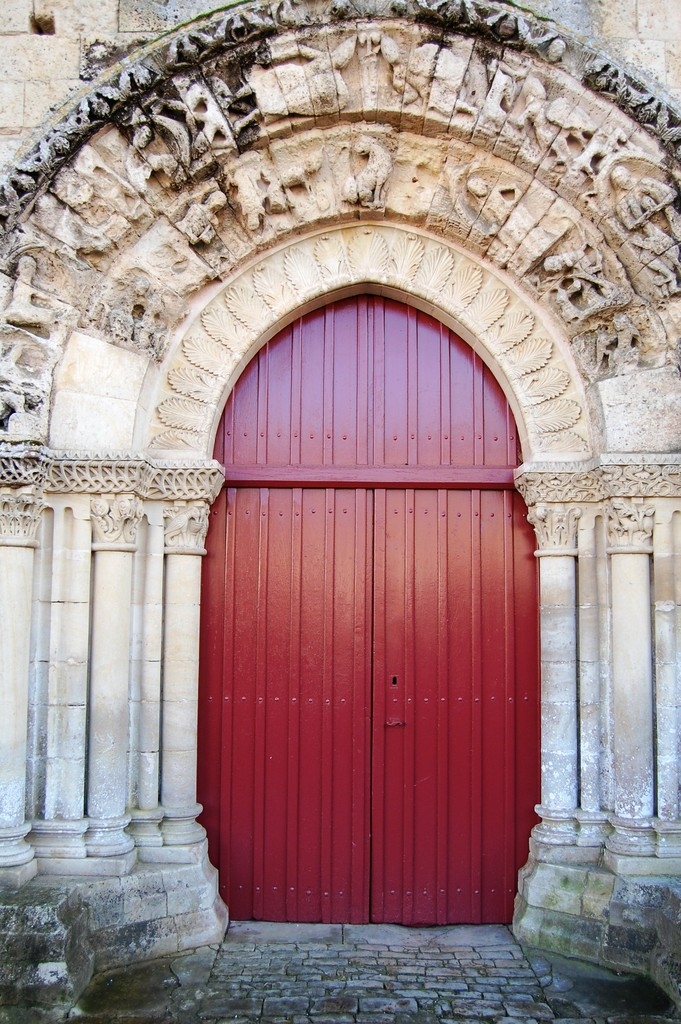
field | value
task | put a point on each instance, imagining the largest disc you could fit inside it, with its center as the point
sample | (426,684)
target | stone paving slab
(362,974)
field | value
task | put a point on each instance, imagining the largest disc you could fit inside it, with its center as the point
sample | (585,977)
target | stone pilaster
(629,532)
(114,524)
(556,529)
(185,533)
(58,835)
(19,516)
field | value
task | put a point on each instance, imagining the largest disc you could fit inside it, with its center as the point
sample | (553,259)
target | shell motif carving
(310,269)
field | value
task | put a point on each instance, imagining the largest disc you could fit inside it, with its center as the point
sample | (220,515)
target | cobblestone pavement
(374,974)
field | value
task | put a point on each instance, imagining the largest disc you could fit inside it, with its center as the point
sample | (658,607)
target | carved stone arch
(512,334)
(480,125)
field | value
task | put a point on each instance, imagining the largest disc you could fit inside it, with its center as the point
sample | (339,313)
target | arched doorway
(369,670)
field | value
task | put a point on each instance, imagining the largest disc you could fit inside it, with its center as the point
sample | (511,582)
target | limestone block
(150,16)
(65,730)
(618,18)
(179,725)
(41,58)
(144,897)
(15,16)
(556,887)
(642,411)
(80,17)
(598,890)
(96,410)
(42,96)
(646,56)
(658,21)
(11,104)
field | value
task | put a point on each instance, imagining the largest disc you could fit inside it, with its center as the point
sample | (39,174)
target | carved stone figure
(135,316)
(578,280)
(255,190)
(23,309)
(640,200)
(316,87)
(481,200)
(367,187)
(200,220)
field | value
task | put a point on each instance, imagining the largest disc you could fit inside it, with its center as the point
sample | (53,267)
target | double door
(369,747)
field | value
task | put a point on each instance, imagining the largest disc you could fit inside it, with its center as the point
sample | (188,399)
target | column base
(557,827)
(58,839)
(631,837)
(180,827)
(106,837)
(16,877)
(15,852)
(668,835)
(144,827)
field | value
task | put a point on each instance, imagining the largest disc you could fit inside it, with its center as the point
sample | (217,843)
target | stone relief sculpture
(304,89)
(368,186)
(642,206)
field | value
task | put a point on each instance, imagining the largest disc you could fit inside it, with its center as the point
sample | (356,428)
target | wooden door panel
(295,707)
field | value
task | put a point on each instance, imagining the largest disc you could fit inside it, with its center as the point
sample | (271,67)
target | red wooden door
(369,681)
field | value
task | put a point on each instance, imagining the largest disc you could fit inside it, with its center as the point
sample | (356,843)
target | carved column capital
(19,519)
(556,529)
(115,522)
(186,525)
(630,527)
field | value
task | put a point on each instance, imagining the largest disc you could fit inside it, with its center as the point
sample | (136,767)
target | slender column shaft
(147,644)
(666,682)
(19,516)
(629,535)
(114,524)
(185,533)
(556,531)
(58,834)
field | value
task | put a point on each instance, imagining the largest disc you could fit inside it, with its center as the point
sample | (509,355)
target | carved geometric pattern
(429,271)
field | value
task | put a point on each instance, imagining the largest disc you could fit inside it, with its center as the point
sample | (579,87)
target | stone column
(629,528)
(58,836)
(556,529)
(148,645)
(19,516)
(114,523)
(667,605)
(185,533)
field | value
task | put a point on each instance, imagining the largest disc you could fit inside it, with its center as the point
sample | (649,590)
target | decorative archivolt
(507,332)
(474,123)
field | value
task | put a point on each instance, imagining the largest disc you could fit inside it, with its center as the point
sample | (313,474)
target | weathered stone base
(55,933)
(587,911)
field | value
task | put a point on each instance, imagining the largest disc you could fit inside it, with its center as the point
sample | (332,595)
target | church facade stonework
(467,158)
